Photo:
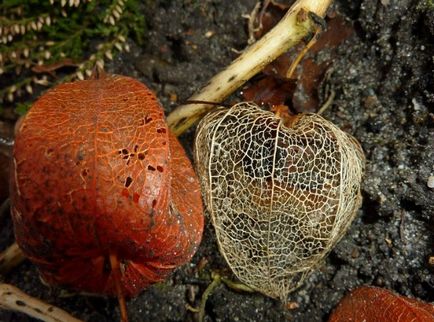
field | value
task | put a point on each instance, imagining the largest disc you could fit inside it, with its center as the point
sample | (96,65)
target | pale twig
(10,258)
(11,298)
(216,281)
(327,103)
(295,25)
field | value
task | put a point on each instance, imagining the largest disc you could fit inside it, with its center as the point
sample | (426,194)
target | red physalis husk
(374,304)
(96,172)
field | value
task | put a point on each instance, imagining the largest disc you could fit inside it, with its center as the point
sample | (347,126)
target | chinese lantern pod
(281,191)
(97,172)
(373,304)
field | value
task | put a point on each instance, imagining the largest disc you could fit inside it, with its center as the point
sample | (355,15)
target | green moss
(425,5)
(39,37)
(22,108)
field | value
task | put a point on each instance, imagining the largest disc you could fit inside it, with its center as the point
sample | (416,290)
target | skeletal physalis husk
(281,191)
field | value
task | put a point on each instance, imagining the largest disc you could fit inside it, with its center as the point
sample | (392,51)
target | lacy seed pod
(96,172)
(281,191)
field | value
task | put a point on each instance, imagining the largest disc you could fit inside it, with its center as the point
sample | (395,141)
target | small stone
(430,182)
(355,253)
(209,34)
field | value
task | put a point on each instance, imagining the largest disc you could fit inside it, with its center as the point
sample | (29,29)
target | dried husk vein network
(280,193)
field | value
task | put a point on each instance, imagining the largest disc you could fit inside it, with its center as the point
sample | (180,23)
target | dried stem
(116,273)
(300,56)
(289,31)
(10,258)
(11,298)
(216,281)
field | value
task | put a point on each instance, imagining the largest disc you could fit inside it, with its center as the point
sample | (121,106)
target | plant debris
(301,92)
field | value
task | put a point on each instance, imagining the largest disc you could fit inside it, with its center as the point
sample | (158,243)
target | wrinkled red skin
(95,171)
(374,304)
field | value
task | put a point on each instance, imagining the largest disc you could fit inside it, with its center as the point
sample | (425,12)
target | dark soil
(384,84)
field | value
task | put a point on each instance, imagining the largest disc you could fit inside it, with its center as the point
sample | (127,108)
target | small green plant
(39,37)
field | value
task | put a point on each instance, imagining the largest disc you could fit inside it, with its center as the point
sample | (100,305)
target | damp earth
(382,77)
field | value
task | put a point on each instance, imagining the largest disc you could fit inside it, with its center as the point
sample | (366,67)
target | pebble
(430,182)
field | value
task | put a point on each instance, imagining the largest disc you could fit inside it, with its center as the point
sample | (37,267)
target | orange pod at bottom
(373,304)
